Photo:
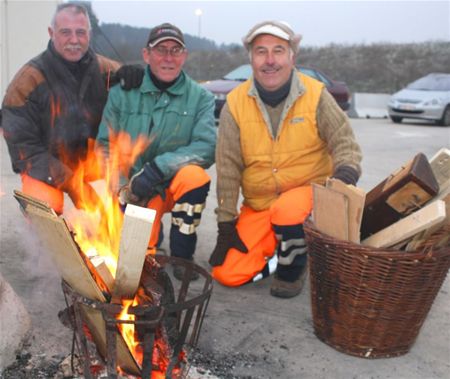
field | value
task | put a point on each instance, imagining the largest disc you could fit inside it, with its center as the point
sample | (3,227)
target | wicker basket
(371,302)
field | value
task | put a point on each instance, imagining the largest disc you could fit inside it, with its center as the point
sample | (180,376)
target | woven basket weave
(371,302)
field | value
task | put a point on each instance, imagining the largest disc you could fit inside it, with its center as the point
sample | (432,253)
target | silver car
(427,98)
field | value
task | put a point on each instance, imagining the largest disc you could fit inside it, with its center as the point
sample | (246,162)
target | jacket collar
(297,90)
(175,89)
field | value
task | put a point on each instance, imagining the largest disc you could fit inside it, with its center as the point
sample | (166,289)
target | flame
(97,230)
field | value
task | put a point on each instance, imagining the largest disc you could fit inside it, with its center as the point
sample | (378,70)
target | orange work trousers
(186,179)
(44,192)
(255,230)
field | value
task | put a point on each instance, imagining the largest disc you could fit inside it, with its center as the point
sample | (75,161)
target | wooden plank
(330,212)
(407,227)
(440,164)
(356,198)
(55,235)
(94,320)
(25,200)
(103,270)
(136,230)
(421,237)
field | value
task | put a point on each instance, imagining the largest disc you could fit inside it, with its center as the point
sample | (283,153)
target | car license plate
(407,107)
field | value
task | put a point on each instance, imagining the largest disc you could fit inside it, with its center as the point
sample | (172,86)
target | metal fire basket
(180,316)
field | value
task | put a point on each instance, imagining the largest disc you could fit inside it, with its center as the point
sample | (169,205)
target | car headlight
(433,102)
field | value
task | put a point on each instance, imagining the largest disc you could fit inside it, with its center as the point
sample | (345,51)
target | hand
(130,76)
(125,197)
(227,238)
(143,182)
(346,174)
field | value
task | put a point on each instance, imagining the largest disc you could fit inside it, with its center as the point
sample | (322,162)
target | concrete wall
(369,105)
(23,34)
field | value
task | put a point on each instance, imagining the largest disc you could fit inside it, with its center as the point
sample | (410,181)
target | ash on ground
(204,365)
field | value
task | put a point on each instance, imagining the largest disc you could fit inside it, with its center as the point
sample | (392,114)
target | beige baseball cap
(280,29)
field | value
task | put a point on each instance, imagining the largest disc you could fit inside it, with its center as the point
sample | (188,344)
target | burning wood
(143,331)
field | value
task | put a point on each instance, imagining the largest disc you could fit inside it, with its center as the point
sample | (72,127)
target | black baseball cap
(165,32)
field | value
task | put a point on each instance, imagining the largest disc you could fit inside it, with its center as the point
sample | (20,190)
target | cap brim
(166,39)
(269,29)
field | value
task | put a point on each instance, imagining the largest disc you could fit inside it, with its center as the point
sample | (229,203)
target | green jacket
(179,122)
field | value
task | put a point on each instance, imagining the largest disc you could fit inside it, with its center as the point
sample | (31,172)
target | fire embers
(160,326)
(155,292)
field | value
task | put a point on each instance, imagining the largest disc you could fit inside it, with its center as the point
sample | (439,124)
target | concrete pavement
(247,333)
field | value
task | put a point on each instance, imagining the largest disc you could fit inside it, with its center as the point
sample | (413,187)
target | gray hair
(73,8)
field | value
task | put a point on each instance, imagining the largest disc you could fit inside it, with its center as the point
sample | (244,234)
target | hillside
(375,68)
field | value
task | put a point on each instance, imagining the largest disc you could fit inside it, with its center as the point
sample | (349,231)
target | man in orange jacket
(279,132)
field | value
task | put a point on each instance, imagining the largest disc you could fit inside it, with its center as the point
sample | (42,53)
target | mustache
(72,46)
(270,66)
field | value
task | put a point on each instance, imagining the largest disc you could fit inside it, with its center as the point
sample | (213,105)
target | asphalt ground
(246,332)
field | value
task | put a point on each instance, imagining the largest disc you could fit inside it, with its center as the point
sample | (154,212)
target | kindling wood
(136,230)
(407,227)
(356,198)
(76,269)
(330,212)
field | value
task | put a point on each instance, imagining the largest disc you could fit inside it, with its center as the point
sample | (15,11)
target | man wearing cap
(279,132)
(176,115)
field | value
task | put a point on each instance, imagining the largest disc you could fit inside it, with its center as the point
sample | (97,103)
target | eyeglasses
(163,51)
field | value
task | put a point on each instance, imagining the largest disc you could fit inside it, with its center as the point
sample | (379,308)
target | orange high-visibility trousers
(187,179)
(255,230)
(44,192)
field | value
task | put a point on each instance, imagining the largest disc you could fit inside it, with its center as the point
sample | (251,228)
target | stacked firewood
(409,210)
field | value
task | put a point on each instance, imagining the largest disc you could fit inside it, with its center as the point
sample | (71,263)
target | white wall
(23,34)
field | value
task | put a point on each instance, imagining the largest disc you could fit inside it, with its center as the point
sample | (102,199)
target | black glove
(346,174)
(130,76)
(125,196)
(227,238)
(143,182)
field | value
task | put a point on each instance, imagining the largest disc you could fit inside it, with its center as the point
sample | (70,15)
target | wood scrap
(136,230)
(440,164)
(73,268)
(403,192)
(407,227)
(435,236)
(356,198)
(330,212)
(26,200)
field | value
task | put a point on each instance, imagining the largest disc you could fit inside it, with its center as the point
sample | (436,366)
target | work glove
(82,194)
(130,76)
(143,183)
(227,238)
(125,197)
(346,174)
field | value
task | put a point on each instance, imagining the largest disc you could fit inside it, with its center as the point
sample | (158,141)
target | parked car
(221,87)
(427,98)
